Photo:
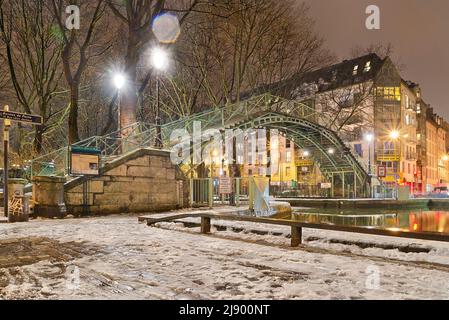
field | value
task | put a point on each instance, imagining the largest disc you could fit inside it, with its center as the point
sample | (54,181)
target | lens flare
(166,28)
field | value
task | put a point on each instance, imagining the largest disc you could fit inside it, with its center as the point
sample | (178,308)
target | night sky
(418,30)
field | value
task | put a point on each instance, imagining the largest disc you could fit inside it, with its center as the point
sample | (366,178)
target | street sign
(382,171)
(225,186)
(7,117)
(21,117)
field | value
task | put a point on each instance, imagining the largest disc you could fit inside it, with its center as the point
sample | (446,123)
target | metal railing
(111,146)
(205,192)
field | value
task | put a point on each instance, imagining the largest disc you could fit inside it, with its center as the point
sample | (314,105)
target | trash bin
(19,204)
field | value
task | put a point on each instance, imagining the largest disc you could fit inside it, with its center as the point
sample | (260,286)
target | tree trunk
(38,137)
(73,113)
(128,103)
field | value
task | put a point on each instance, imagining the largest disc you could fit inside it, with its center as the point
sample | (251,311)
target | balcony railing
(388,155)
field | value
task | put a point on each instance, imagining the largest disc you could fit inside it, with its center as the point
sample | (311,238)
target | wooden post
(6,126)
(237,192)
(211,193)
(205,225)
(191,193)
(296,238)
(251,187)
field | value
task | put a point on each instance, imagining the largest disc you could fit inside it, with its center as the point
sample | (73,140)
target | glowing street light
(446,158)
(306,153)
(119,81)
(394,134)
(369,137)
(331,151)
(159,60)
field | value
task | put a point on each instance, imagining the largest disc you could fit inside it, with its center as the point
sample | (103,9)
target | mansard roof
(346,73)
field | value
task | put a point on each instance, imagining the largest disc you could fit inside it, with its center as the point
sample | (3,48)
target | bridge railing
(112,145)
(205,192)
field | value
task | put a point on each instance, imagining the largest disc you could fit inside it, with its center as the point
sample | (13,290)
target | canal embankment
(387,204)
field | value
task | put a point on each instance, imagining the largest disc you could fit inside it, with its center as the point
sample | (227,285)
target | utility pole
(6,126)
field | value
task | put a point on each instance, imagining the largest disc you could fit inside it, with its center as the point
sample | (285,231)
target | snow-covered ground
(115,257)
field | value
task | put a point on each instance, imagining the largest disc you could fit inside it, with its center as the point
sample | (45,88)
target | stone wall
(143,181)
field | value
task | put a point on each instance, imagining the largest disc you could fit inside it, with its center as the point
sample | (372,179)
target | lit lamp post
(369,138)
(119,81)
(159,59)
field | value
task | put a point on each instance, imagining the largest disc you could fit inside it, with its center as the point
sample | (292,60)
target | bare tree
(78,50)
(248,45)
(137,16)
(347,110)
(33,55)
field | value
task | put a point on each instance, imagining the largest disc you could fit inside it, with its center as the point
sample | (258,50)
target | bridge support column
(205,225)
(237,192)
(333,186)
(296,237)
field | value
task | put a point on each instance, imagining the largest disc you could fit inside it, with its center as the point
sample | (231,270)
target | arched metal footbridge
(299,122)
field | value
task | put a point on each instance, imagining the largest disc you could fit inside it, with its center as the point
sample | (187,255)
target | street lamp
(159,60)
(394,134)
(119,81)
(369,137)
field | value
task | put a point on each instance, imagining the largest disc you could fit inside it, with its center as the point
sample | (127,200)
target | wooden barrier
(296,226)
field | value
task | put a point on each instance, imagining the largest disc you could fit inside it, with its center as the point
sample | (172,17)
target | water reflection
(414,220)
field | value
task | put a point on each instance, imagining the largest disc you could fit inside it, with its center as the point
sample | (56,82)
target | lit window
(356,70)
(288,157)
(367,67)
(334,75)
(389,93)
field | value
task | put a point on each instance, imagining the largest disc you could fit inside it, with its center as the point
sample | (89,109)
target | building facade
(381,117)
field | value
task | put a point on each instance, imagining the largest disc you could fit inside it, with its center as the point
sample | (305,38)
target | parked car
(441,192)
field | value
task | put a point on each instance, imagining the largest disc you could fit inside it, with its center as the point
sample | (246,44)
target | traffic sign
(21,117)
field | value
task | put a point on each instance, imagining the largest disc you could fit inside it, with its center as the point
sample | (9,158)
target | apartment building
(379,115)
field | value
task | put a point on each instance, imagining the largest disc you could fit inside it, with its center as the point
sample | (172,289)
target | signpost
(84,161)
(9,116)
(225,186)
(382,171)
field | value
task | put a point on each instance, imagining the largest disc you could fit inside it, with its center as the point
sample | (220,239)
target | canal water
(416,220)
